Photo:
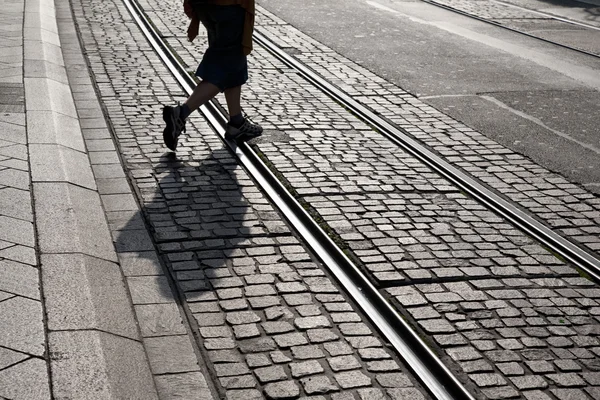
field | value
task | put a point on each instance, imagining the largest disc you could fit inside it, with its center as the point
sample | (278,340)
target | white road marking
(586,75)
(539,122)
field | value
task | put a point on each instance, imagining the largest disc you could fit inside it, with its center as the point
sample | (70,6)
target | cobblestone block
(321,335)
(318,385)
(342,363)
(244,394)
(270,374)
(242,317)
(290,339)
(304,368)
(277,327)
(246,331)
(312,322)
(282,390)
(307,352)
(352,379)
(238,382)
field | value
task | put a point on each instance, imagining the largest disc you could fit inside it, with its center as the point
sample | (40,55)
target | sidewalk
(23,365)
(65,311)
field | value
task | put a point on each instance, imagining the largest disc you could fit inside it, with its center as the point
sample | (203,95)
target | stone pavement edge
(68,326)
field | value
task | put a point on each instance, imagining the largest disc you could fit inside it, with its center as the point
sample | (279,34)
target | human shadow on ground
(195,207)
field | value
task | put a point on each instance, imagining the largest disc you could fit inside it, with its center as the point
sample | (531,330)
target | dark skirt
(224,63)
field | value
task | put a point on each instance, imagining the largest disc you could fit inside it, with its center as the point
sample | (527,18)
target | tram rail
(441,383)
(531,35)
(560,245)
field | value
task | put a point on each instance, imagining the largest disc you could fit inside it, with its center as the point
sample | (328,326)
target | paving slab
(21,326)
(9,357)
(21,254)
(85,362)
(26,380)
(20,279)
(70,220)
(15,203)
(83,292)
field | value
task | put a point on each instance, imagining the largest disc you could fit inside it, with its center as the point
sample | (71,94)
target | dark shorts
(224,63)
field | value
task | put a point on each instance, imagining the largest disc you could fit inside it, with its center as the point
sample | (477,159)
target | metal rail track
(550,16)
(427,367)
(579,257)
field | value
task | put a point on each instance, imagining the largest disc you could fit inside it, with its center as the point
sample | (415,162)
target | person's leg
(175,116)
(238,127)
(233,97)
(200,96)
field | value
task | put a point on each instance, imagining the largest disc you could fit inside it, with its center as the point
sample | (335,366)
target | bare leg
(233,98)
(239,128)
(201,95)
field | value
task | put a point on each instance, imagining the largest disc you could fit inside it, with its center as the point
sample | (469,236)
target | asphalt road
(536,98)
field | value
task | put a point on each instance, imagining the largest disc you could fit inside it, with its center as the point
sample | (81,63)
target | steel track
(549,16)
(571,252)
(427,367)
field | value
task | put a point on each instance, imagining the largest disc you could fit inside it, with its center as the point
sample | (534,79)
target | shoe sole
(243,135)
(169,132)
(229,136)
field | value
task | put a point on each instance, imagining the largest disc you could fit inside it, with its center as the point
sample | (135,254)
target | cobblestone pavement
(567,208)
(23,363)
(493,302)
(269,321)
(523,20)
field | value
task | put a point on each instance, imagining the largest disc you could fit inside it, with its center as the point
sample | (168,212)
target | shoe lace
(180,124)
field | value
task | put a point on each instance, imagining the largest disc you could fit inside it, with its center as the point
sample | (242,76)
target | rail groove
(574,254)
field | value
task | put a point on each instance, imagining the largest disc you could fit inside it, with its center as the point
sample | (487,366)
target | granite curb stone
(70,219)
(94,344)
(88,361)
(164,336)
(101,302)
